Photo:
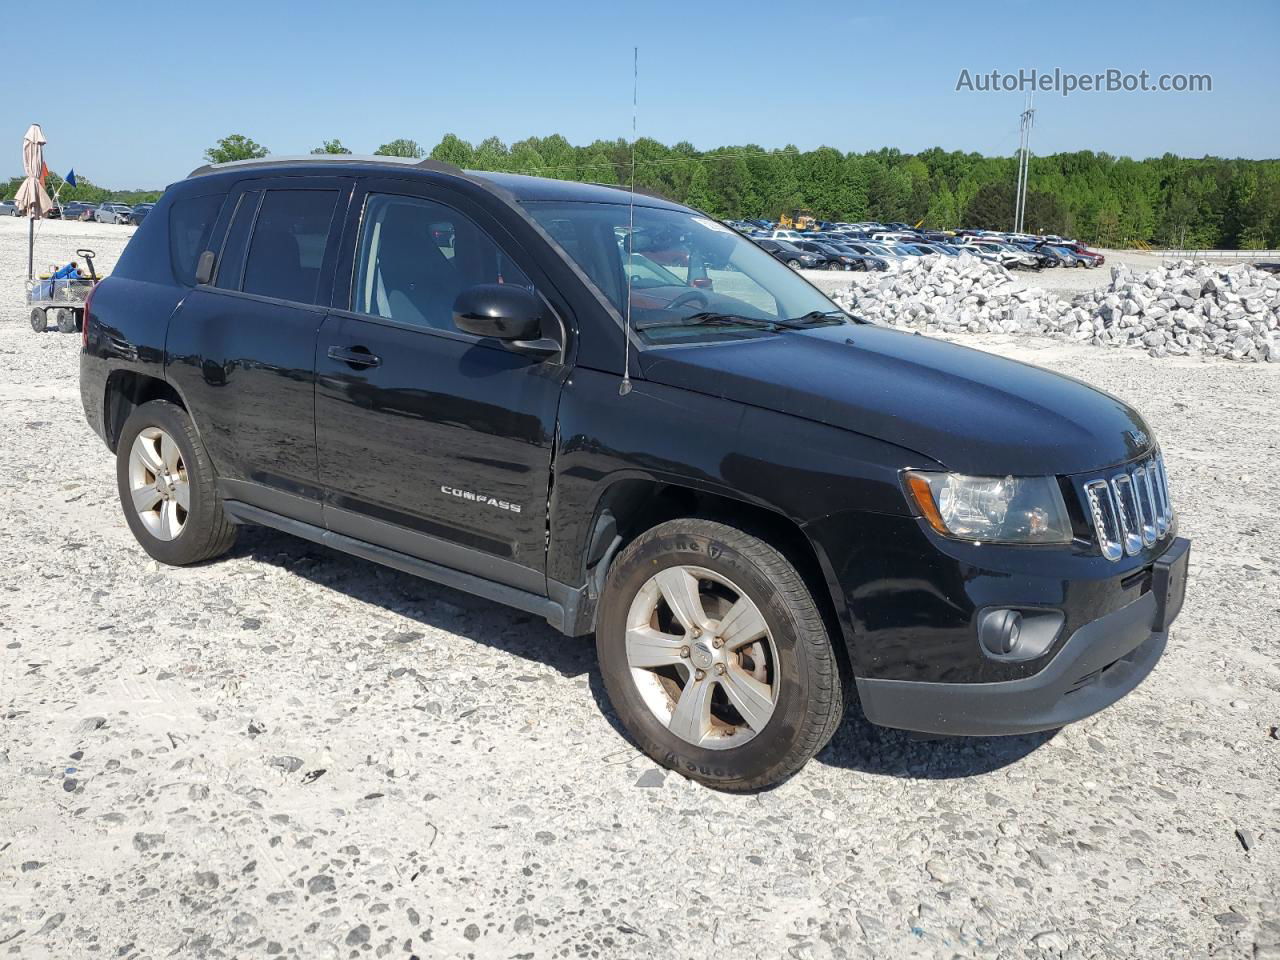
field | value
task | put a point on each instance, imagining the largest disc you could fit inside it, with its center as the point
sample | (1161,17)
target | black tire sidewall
(768,750)
(205,508)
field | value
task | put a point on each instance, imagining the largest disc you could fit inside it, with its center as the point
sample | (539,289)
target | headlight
(992,509)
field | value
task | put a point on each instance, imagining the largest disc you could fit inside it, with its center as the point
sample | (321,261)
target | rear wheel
(167,487)
(66,320)
(716,657)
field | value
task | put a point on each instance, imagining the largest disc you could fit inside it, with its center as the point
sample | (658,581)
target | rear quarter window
(190,224)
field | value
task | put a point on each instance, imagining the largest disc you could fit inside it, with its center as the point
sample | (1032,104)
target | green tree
(453,150)
(401,148)
(235,146)
(699,195)
(331,146)
(491,154)
(991,207)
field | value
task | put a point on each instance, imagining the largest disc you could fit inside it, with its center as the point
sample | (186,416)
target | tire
(802,674)
(66,320)
(168,532)
(39,322)
(793,264)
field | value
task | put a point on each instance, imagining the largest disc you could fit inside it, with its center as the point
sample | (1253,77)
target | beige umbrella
(32,199)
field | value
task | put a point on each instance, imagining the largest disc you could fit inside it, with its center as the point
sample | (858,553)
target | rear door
(241,349)
(433,442)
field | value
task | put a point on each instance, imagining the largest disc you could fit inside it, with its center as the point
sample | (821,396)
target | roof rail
(285,161)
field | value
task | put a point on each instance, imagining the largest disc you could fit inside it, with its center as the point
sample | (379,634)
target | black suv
(632,421)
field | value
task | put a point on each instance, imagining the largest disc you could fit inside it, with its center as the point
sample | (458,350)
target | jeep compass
(621,415)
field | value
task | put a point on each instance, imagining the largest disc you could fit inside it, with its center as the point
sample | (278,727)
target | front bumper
(1099,663)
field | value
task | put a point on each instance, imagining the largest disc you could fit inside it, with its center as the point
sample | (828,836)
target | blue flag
(70,178)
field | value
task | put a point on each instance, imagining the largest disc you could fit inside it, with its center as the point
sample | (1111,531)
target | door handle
(354,356)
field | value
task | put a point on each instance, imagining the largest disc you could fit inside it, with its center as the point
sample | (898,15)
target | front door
(433,442)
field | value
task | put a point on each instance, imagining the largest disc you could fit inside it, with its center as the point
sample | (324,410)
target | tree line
(85,190)
(1169,201)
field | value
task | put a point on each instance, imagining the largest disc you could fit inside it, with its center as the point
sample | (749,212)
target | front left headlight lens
(991,509)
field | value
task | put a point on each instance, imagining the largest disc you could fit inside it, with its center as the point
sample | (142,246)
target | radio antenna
(625,387)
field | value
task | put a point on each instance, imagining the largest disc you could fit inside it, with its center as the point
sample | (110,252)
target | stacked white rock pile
(949,294)
(1190,309)
(1183,309)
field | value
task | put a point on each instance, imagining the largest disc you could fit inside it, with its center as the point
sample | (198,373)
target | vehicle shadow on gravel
(867,748)
(857,745)
(432,605)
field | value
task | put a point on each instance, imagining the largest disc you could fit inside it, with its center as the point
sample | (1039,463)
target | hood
(971,411)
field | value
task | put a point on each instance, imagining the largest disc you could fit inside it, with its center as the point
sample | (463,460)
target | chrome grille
(1130,509)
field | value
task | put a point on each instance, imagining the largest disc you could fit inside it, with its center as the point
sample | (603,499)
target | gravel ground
(290,752)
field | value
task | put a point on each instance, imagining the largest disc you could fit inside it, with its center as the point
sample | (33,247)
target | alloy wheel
(158,483)
(702,657)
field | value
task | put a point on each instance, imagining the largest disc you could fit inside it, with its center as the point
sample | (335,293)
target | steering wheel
(690,296)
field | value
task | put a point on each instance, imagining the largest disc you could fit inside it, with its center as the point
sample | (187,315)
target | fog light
(1018,634)
(999,631)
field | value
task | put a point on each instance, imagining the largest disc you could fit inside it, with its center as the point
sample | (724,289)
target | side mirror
(502,311)
(509,314)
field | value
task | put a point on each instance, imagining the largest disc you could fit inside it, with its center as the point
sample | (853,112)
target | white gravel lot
(291,752)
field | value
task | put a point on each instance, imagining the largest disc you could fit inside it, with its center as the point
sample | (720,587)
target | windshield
(691,277)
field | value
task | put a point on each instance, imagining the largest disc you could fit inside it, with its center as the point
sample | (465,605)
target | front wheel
(66,320)
(793,264)
(167,487)
(39,322)
(716,657)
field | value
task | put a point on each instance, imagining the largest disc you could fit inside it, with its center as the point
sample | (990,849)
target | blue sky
(850,75)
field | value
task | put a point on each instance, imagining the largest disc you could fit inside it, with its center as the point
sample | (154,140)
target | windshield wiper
(813,316)
(710,318)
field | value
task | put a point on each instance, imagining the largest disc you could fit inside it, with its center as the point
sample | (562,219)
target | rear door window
(290,236)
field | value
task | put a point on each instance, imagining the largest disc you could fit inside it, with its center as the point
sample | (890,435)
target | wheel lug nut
(695,633)
(684,652)
(718,642)
(699,674)
(720,668)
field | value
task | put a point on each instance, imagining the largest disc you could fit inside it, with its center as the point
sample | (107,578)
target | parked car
(878,250)
(8,208)
(829,258)
(1092,257)
(138,213)
(861,261)
(788,504)
(54,212)
(1004,254)
(78,210)
(112,213)
(789,253)
(1045,257)
(1068,256)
